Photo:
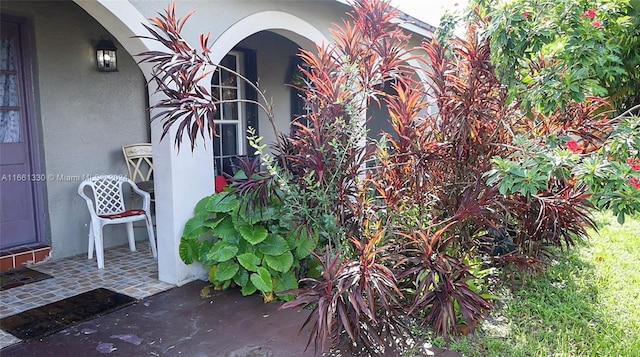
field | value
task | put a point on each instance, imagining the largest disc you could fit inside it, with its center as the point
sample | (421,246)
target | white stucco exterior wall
(181,177)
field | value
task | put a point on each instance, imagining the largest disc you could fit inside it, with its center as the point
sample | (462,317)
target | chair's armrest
(146,197)
(90,203)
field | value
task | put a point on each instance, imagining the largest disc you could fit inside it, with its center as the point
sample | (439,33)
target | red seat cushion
(129,213)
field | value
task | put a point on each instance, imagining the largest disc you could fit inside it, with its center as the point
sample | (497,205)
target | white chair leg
(99,247)
(132,239)
(152,238)
(91,241)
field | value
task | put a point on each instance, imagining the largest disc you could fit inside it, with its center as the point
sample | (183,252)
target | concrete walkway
(180,322)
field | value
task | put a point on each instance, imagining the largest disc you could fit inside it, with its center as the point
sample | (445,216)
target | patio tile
(7,310)
(131,273)
(7,339)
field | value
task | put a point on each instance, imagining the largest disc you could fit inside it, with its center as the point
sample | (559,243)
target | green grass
(586,304)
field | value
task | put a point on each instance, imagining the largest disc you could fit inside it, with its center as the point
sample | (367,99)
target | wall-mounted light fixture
(106,56)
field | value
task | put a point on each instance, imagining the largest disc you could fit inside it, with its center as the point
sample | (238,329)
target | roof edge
(408,22)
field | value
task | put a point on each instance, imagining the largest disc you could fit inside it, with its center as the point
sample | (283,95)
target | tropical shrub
(612,174)
(605,170)
(551,53)
(396,224)
(413,180)
(237,234)
(441,284)
(247,246)
(554,57)
(177,71)
(354,301)
(327,152)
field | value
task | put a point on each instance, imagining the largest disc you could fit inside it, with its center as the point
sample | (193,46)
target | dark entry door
(19,175)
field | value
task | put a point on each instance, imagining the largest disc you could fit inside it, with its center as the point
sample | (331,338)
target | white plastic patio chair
(106,206)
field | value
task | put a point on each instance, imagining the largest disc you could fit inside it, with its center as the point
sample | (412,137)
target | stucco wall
(84,116)
(215,16)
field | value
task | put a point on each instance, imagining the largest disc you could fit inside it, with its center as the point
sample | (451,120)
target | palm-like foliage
(440,283)
(328,149)
(355,302)
(179,74)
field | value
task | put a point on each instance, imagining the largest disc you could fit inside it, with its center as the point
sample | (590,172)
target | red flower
(526,15)
(597,24)
(635,163)
(573,146)
(591,13)
(635,182)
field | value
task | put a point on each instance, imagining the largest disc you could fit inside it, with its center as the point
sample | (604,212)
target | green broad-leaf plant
(249,247)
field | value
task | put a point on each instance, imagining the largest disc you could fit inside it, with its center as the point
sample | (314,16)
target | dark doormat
(51,318)
(20,276)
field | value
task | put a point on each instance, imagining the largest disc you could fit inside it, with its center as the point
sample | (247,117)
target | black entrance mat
(20,276)
(47,319)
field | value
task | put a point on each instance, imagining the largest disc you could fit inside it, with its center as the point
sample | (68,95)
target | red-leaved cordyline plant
(477,124)
(358,302)
(440,281)
(448,152)
(355,301)
(327,149)
(178,72)
(421,176)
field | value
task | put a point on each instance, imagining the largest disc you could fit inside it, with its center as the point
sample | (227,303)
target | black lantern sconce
(106,56)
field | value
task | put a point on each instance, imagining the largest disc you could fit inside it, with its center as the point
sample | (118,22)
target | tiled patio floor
(130,273)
